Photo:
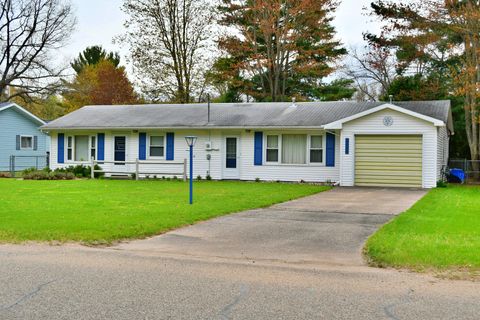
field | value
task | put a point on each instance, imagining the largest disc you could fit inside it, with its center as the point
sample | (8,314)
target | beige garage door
(388,160)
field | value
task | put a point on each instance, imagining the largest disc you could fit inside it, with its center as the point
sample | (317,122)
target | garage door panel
(388,160)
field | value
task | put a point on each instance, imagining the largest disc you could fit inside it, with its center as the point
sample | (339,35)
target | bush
(208,177)
(257,179)
(441,184)
(199,177)
(5,175)
(81,171)
(29,170)
(46,175)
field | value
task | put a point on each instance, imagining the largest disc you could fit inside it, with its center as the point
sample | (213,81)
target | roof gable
(22,111)
(387,106)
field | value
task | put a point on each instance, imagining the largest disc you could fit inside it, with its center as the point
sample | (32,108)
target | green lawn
(102,211)
(440,232)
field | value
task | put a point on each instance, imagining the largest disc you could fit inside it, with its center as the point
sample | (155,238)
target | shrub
(5,175)
(199,177)
(175,178)
(441,184)
(46,175)
(29,170)
(208,177)
(257,179)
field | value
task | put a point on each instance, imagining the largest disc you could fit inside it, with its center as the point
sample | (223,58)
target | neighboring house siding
(246,168)
(402,124)
(13,123)
(442,151)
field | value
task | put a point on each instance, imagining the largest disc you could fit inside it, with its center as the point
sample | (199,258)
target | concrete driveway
(298,260)
(326,228)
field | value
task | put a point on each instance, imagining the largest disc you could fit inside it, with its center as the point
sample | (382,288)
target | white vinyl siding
(442,151)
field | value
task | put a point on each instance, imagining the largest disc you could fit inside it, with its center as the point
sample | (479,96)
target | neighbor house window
(157,146)
(93,147)
(26,142)
(293,148)
(81,148)
(316,149)
(272,148)
(69,148)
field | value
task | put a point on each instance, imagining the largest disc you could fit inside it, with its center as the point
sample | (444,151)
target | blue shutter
(61,148)
(142,146)
(100,146)
(258,148)
(347,145)
(330,150)
(170,145)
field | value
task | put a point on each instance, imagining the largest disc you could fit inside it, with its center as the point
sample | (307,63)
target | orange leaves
(102,83)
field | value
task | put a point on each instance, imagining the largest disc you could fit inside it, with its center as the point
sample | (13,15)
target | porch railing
(182,168)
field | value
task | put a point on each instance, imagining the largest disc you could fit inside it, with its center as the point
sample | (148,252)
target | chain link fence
(19,163)
(470,167)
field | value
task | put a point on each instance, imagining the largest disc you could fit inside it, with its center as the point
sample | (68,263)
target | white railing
(138,171)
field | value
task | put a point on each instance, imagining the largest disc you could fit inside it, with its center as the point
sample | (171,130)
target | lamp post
(191,142)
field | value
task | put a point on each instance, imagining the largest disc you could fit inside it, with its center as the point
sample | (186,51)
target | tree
(100,84)
(441,37)
(169,40)
(371,71)
(29,31)
(93,55)
(280,48)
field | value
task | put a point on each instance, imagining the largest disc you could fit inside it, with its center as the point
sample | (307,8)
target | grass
(440,232)
(104,211)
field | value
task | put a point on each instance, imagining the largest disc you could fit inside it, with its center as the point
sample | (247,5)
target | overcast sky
(100,20)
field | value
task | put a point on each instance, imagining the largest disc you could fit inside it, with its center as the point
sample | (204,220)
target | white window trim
(159,134)
(279,148)
(26,136)
(279,162)
(309,148)
(73,148)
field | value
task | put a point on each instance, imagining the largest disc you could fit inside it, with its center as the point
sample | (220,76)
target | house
(21,140)
(354,144)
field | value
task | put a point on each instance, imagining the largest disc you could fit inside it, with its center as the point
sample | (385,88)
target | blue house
(22,144)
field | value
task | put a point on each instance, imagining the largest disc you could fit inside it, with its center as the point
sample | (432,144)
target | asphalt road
(291,261)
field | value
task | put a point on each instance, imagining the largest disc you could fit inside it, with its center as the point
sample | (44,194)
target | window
(293,148)
(272,148)
(93,147)
(69,148)
(157,144)
(81,148)
(26,142)
(316,149)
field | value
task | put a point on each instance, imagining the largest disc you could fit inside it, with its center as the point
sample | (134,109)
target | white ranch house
(404,144)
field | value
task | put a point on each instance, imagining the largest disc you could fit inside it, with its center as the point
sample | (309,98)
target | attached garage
(388,160)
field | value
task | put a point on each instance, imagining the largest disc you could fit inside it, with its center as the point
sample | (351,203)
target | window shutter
(35,142)
(347,145)
(330,159)
(258,148)
(61,148)
(170,145)
(100,146)
(18,142)
(142,146)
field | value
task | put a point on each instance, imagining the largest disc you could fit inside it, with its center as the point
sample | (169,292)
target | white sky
(100,20)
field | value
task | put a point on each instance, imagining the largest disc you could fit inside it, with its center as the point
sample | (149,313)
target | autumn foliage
(100,84)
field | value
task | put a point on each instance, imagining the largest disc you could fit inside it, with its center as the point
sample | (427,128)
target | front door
(120,150)
(230,167)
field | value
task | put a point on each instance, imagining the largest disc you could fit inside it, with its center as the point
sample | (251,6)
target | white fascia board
(24,111)
(339,124)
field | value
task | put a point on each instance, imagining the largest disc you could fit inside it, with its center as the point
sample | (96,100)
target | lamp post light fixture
(191,142)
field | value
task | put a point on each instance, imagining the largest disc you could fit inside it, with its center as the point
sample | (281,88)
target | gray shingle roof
(283,114)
